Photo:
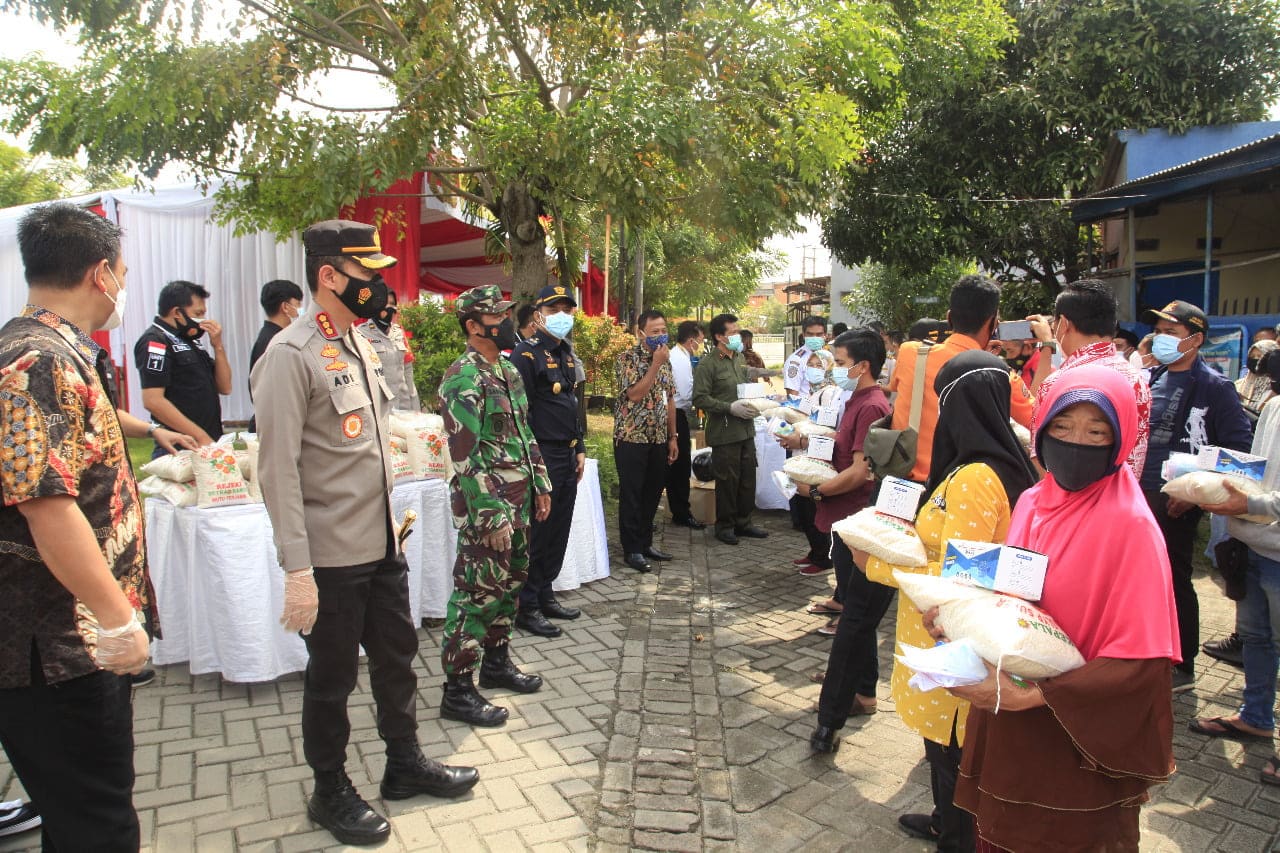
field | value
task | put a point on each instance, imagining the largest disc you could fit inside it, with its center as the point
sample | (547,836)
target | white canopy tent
(170,234)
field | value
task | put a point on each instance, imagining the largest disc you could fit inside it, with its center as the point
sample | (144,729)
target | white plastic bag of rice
(171,466)
(790,414)
(218,478)
(759,405)
(1206,487)
(891,539)
(811,428)
(178,494)
(1007,632)
(807,470)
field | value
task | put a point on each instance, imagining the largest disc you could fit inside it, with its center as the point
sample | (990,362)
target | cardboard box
(751,391)
(702,500)
(1001,568)
(899,498)
(1235,462)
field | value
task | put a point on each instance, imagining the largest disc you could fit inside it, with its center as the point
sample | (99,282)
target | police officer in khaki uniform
(322,407)
(389,342)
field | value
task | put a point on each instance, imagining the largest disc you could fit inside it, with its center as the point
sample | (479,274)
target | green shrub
(599,341)
(436,341)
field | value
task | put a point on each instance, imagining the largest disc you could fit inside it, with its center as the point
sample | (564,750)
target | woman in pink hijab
(1066,762)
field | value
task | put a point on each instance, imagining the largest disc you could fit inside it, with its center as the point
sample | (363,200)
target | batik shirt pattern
(641,421)
(59,435)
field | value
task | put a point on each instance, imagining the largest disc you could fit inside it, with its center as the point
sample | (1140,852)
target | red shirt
(863,408)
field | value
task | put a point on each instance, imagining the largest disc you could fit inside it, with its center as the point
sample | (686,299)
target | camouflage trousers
(486,591)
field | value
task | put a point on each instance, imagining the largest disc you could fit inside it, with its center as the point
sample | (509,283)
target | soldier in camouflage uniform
(498,475)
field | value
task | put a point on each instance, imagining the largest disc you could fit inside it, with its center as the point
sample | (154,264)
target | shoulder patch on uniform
(155,355)
(325,324)
(527,354)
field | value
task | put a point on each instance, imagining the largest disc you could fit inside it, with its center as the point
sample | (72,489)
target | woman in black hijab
(977,472)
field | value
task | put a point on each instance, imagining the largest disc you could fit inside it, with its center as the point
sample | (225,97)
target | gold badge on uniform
(555,389)
(331,352)
(326,327)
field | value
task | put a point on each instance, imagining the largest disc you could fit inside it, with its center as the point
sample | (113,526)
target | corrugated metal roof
(1190,165)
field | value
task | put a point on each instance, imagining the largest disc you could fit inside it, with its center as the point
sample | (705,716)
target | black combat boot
(337,807)
(409,772)
(462,702)
(497,670)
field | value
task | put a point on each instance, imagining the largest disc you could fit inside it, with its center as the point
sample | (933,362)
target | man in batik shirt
(498,473)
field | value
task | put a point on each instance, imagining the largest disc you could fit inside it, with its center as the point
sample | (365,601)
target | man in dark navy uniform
(548,368)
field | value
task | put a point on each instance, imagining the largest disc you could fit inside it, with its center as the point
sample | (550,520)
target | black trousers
(954,824)
(819,542)
(1180,541)
(734,467)
(71,744)
(549,539)
(365,605)
(642,475)
(678,472)
(853,667)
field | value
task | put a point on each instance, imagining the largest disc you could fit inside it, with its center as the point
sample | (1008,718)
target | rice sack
(759,405)
(1206,487)
(218,478)
(178,494)
(401,470)
(171,466)
(425,443)
(808,470)
(891,539)
(1007,632)
(811,428)
(790,414)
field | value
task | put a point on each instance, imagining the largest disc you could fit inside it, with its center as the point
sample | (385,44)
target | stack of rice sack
(419,447)
(222,474)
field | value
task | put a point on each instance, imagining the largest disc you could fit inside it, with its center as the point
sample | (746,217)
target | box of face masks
(899,498)
(751,390)
(1001,568)
(1235,462)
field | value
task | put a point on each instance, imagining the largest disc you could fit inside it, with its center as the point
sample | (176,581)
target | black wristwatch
(814,494)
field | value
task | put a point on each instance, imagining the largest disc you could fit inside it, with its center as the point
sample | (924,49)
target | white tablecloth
(770,457)
(221,591)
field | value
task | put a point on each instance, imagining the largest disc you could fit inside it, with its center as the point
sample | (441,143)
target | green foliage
(733,115)
(1035,126)
(25,179)
(599,341)
(436,341)
(898,298)
(688,267)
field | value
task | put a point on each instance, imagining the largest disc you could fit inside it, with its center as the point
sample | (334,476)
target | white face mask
(117,309)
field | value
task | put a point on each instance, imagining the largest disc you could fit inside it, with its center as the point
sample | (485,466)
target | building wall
(1246,225)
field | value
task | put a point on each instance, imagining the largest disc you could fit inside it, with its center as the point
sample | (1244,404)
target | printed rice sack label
(1009,633)
(171,466)
(425,442)
(178,494)
(401,470)
(1207,487)
(218,478)
(808,470)
(891,539)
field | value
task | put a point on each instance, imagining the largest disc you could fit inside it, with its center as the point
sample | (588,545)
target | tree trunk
(526,241)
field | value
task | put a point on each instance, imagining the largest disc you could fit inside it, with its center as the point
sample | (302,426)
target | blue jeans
(1258,621)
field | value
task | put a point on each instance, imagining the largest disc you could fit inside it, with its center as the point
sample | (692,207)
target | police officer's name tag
(829,416)
(822,447)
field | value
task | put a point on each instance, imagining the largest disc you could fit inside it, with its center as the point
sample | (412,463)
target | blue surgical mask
(559,325)
(840,376)
(734,343)
(815,375)
(814,344)
(1165,348)
(655,341)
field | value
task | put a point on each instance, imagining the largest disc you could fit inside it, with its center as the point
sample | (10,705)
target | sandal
(1272,778)
(829,629)
(1227,728)
(821,608)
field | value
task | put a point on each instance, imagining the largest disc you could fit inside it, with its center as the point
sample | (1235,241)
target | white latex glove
(301,601)
(123,650)
(499,540)
(740,409)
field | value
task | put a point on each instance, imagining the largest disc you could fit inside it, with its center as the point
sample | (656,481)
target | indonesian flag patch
(155,356)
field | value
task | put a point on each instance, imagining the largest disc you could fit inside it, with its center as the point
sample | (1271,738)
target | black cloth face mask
(1252,364)
(503,334)
(385,318)
(1077,466)
(188,329)
(364,298)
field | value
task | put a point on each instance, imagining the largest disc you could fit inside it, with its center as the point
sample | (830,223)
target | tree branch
(454,190)
(282,90)
(308,30)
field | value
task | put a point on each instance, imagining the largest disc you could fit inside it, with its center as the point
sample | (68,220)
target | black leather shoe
(727,537)
(919,826)
(752,532)
(497,670)
(337,807)
(638,562)
(410,773)
(824,739)
(690,522)
(654,554)
(535,623)
(462,702)
(553,609)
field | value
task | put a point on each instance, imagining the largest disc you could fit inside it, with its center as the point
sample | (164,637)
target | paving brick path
(675,718)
